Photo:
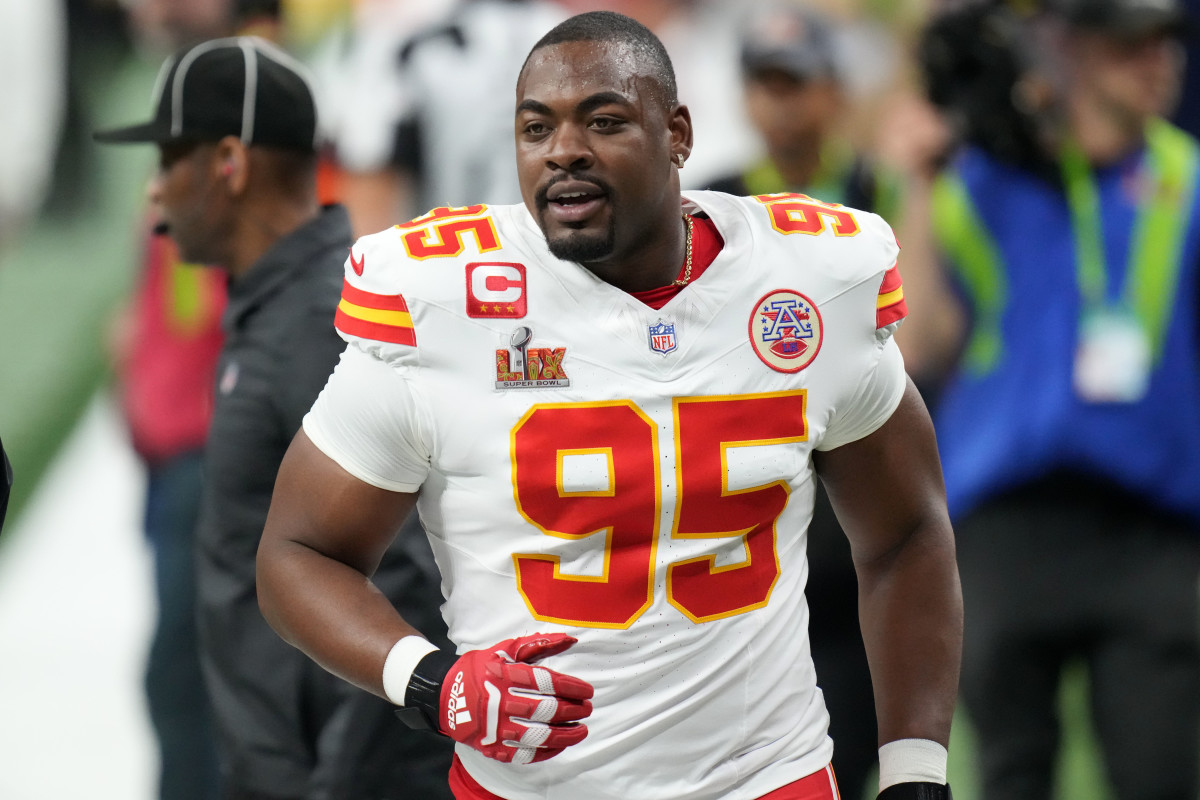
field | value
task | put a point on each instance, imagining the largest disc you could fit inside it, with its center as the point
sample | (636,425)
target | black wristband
(917,791)
(423,694)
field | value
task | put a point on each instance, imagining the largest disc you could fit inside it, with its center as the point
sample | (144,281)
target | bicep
(320,506)
(887,484)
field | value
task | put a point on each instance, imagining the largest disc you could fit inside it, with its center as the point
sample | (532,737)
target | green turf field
(59,283)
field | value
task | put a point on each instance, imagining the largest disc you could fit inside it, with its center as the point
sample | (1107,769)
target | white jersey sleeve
(367,419)
(876,400)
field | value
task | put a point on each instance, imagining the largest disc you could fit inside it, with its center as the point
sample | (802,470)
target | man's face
(791,114)
(1132,77)
(594,140)
(184,196)
(171,24)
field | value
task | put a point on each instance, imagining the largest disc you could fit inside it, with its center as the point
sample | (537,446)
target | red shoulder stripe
(890,305)
(891,279)
(386,302)
(374,330)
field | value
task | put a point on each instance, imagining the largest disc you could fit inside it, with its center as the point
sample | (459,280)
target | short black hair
(609,26)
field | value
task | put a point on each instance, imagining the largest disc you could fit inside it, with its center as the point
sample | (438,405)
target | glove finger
(564,735)
(543,680)
(540,708)
(528,755)
(543,753)
(538,646)
(537,735)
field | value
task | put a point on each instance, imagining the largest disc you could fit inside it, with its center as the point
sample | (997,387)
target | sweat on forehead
(590,67)
(632,41)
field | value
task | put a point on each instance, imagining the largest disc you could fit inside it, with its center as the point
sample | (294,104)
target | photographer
(1068,224)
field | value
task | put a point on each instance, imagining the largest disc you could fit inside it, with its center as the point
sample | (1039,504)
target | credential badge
(786,330)
(662,337)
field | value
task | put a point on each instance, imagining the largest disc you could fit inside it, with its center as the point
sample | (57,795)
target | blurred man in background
(795,98)
(236,125)
(429,125)
(1068,427)
(165,346)
(423,116)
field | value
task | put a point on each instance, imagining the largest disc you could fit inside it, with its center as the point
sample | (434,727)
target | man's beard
(583,246)
(578,245)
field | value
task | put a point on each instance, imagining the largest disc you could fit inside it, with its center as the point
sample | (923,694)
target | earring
(679,159)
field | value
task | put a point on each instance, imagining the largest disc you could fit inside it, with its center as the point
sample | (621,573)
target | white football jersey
(640,479)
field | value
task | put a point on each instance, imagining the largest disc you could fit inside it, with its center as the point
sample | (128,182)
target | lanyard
(1159,227)
(1083,198)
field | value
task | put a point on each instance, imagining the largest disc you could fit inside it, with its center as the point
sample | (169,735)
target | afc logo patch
(786,330)
(496,290)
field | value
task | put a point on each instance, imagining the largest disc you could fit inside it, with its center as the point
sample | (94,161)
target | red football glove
(498,702)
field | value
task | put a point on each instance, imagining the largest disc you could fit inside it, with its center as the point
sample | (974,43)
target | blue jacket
(1010,414)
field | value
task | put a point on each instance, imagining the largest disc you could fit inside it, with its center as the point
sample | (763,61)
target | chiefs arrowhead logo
(357,265)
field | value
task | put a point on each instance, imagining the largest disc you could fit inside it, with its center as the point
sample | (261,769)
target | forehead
(579,69)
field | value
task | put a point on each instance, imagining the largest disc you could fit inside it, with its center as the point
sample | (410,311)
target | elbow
(266,586)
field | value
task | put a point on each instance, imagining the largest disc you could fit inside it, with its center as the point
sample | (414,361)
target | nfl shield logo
(662,337)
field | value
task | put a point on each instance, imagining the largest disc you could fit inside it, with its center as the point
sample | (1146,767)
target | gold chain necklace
(687,269)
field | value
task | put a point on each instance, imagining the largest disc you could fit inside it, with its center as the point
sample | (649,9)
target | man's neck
(799,171)
(260,228)
(799,165)
(1104,135)
(654,260)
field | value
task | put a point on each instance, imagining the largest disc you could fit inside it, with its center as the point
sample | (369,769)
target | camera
(978,67)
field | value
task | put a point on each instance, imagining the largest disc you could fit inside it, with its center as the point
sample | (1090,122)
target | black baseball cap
(793,39)
(1125,18)
(240,86)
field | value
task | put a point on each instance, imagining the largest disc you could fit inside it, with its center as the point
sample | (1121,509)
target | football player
(609,405)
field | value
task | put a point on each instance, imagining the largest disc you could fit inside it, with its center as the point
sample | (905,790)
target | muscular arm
(325,535)
(888,494)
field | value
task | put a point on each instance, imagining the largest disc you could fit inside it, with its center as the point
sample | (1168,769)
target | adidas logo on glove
(456,708)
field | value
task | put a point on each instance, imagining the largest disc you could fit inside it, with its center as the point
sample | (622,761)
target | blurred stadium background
(75,599)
